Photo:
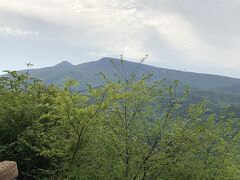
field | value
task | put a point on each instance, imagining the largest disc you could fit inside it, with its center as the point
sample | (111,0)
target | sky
(189,35)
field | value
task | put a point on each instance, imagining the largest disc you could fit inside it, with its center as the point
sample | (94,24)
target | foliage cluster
(127,129)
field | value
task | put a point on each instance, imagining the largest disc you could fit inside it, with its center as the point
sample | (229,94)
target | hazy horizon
(137,61)
(195,36)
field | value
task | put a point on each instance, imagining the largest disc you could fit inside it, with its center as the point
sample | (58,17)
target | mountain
(209,86)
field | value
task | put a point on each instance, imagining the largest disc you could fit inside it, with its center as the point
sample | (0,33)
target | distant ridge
(89,73)
(64,64)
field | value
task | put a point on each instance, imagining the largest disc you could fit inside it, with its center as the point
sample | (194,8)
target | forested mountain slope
(213,87)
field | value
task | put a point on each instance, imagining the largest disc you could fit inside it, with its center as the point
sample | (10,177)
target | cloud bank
(192,35)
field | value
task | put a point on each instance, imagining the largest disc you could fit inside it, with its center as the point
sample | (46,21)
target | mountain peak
(108,59)
(64,64)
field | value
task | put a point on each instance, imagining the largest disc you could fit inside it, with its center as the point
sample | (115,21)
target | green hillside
(89,71)
(203,86)
(125,129)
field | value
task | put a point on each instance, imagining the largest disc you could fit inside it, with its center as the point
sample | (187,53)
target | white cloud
(176,34)
(9,31)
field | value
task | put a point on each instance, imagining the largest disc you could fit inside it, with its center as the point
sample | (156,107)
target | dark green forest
(129,128)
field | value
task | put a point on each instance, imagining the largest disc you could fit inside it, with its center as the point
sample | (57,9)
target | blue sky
(191,35)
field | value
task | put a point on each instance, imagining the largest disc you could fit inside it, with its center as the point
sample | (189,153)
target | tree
(128,128)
